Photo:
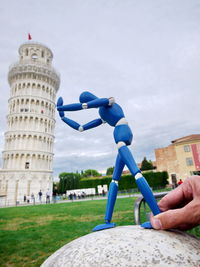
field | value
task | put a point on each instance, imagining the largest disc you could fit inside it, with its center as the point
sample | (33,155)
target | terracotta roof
(192,137)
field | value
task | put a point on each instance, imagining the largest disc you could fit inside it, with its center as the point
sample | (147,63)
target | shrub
(155,180)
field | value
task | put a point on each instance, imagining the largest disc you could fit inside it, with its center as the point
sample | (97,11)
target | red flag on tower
(29,37)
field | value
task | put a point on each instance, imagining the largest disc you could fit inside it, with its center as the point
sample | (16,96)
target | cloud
(144,53)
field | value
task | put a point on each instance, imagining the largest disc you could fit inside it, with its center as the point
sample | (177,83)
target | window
(189,161)
(27,165)
(196,173)
(34,56)
(186,148)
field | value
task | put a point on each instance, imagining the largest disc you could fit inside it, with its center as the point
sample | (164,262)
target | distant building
(29,139)
(180,159)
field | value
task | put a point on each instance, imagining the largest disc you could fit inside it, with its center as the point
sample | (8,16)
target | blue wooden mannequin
(111,113)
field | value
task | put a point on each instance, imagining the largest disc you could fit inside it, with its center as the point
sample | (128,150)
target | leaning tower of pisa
(29,139)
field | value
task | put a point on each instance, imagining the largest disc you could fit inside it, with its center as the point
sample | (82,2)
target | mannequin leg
(112,195)
(140,180)
(113,188)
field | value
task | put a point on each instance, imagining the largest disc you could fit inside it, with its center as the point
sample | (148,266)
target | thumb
(171,219)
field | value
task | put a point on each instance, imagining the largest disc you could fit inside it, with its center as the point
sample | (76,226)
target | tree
(110,171)
(68,181)
(55,188)
(146,165)
(91,173)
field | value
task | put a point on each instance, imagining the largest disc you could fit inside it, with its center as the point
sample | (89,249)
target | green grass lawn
(28,235)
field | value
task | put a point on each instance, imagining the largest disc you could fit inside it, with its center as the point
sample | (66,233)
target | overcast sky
(144,53)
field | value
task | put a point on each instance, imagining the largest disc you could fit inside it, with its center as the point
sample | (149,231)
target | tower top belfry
(35,57)
(32,51)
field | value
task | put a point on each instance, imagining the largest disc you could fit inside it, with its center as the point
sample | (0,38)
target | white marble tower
(28,152)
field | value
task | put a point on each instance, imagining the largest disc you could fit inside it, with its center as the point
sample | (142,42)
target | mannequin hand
(60,103)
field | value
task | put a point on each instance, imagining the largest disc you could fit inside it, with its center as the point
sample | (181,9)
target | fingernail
(156,223)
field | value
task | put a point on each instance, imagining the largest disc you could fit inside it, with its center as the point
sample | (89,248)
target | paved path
(137,195)
(69,201)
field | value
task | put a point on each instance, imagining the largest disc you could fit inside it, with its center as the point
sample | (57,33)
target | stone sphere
(129,246)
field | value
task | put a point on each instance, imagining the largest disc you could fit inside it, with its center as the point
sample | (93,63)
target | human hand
(181,207)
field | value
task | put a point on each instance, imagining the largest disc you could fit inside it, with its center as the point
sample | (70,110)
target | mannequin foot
(103,226)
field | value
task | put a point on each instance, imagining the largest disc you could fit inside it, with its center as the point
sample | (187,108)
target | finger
(174,198)
(185,226)
(176,218)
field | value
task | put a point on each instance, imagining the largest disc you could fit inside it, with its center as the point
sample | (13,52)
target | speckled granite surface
(128,246)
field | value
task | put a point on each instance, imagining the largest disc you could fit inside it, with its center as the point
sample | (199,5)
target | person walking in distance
(40,196)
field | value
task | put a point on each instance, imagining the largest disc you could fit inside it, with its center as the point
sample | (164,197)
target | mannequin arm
(80,128)
(99,102)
